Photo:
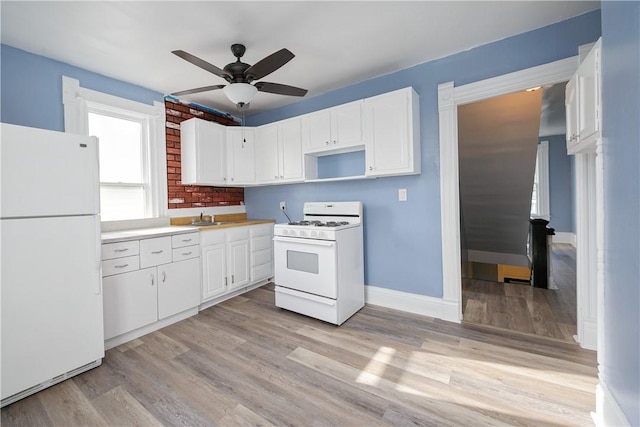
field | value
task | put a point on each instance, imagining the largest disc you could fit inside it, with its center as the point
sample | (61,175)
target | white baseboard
(608,412)
(412,303)
(589,334)
(565,237)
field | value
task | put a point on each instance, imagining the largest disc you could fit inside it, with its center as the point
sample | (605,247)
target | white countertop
(143,233)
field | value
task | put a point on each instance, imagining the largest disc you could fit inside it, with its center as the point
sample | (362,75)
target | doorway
(449,97)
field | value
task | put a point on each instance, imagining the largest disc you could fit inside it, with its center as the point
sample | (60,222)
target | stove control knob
(314,233)
(302,233)
(285,231)
(322,234)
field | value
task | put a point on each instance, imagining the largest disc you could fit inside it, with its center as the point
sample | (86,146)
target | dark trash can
(540,247)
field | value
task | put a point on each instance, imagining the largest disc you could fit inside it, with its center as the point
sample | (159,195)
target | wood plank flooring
(247,362)
(544,312)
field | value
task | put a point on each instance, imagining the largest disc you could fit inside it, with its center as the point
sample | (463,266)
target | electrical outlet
(402,194)
(283,206)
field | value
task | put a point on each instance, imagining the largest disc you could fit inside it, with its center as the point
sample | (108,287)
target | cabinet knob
(335,142)
(326,142)
(281,176)
(276,177)
(370,168)
(164,276)
(153,280)
(231,179)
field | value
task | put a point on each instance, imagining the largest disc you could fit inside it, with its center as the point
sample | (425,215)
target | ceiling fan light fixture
(240,93)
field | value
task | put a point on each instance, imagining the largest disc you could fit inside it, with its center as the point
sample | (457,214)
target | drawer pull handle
(186,240)
(121,250)
(186,253)
(164,276)
(157,252)
(122,266)
(153,280)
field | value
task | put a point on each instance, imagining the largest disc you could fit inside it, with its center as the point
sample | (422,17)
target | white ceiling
(336,43)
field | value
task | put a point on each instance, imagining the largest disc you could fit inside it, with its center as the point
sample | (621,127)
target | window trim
(78,101)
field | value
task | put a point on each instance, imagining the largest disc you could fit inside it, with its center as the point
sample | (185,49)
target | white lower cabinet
(165,281)
(225,261)
(178,287)
(235,258)
(130,301)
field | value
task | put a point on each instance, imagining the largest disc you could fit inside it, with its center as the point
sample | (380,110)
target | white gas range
(319,262)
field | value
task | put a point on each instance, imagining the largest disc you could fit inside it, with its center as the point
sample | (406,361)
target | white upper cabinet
(279,152)
(336,129)
(392,133)
(241,167)
(267,155)
(582,98)
(203,152)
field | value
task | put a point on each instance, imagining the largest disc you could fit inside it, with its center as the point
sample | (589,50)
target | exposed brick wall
(193,196)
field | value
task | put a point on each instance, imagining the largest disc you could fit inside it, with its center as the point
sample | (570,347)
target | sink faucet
(201,216)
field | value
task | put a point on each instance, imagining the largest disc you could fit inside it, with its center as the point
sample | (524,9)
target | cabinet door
(203,152)
(266,151)
(238,263)
(178,287)
(589,94)
(241,156)
(214,271)
(316,130)
(571,111)
(130,301)
(346,125)
(290,144)
(389,148)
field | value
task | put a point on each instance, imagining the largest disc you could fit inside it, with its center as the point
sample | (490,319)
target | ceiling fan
(240,91)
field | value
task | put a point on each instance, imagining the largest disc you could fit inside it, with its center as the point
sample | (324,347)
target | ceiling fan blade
(202,64)
(198,90)
(268,65)
(279,89)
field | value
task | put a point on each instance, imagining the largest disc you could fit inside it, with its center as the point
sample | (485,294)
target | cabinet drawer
(260,272)
(188,252)
(261,257)
(261,243)
(120,249)
(155,251)
(262,230)
(182,240)
(212,237)
(238,233)
(120,265)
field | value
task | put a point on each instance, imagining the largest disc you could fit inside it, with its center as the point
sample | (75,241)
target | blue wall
(561,185)
(402,239)
(621,131)
(32,89)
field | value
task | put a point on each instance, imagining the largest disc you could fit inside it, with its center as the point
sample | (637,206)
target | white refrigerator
(50,288)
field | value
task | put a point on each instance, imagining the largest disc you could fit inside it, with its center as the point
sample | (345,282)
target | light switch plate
(402,194)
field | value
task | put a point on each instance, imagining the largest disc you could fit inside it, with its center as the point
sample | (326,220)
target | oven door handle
(302,241)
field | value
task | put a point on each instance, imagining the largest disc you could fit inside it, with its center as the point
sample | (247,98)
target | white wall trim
(412,303)
(77,101)
(608,412)
(449,97)
(542,168)
(565,237)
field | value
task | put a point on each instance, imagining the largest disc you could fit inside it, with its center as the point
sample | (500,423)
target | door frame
(449,98)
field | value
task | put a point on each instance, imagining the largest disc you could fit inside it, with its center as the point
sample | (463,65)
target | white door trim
(449,98)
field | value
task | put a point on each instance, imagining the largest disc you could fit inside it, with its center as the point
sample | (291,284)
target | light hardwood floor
(247,362)
(517,307)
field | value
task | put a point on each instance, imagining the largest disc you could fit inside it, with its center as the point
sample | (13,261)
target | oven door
(306,265)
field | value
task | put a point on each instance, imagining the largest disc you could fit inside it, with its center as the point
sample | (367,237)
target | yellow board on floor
(513,272)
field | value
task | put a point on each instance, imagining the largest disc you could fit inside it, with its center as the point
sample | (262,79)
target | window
(132,161)
(540,193)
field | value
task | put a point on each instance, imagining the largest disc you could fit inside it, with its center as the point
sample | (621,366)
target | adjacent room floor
(247,362)
(545,312)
